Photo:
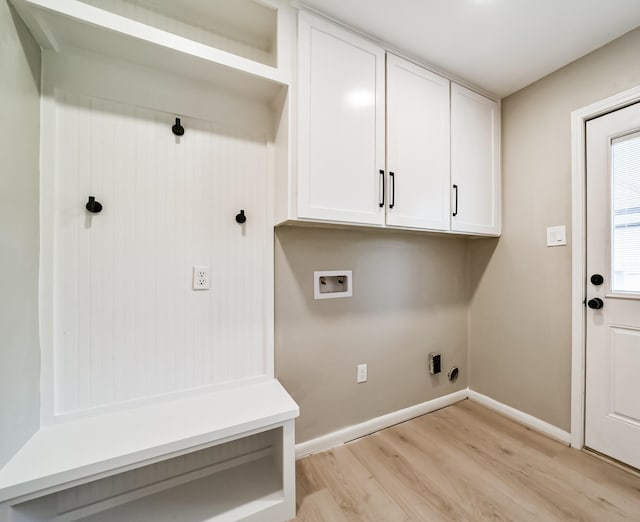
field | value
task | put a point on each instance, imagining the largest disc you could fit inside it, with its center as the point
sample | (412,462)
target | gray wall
(19,146)
(410,298)
(520,314)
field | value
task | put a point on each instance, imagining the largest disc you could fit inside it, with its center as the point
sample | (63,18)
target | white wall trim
(523,418)
(579,118)
(340,437)
(344,435)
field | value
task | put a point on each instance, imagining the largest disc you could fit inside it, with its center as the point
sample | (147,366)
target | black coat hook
(241,218)
(93,206)
(178,129)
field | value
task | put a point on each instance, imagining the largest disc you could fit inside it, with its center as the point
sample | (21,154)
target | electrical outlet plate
(361,374)
(201,277)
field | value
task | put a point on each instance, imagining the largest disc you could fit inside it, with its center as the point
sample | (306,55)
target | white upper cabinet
(381,141)
(417,147)
(341,125)
(475,175)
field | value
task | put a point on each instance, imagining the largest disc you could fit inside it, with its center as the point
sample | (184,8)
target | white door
(417,146)
(341,125)
(612,414)
(475,174)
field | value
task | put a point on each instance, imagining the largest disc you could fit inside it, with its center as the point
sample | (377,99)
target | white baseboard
(337,438)
(340,437)
(523,418)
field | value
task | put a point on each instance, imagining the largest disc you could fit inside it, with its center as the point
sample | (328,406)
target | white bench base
(227,455)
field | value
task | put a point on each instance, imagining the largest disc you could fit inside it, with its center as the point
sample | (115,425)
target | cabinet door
(475,174)
(341,125)
(417,146)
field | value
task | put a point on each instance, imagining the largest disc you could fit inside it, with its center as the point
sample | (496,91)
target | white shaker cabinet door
(417,146)
(475,171)
(341,125)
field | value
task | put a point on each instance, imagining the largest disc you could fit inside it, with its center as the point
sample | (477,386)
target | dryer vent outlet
(435,366)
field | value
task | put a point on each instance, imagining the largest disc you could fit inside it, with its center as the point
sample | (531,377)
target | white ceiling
(497,45)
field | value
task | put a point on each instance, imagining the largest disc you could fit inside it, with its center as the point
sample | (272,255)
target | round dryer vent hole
(453,374)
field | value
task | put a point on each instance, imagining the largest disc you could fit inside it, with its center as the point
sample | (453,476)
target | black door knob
(595,304)
(597,279)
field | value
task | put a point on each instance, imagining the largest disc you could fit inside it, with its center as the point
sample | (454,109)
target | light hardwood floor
(464,462)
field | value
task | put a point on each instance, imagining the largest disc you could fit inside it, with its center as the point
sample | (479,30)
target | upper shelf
(232,44)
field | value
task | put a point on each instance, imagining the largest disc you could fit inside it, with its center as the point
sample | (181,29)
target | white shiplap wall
(127,324)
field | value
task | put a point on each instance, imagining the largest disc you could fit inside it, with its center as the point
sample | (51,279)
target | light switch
(556,236)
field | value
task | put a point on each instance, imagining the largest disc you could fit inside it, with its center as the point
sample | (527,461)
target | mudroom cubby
(162,132)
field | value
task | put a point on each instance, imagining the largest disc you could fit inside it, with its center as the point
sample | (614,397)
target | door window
(625,219)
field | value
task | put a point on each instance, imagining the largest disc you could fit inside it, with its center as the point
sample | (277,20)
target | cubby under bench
(222,456)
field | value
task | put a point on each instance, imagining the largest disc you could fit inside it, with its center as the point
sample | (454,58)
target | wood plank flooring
(464,463)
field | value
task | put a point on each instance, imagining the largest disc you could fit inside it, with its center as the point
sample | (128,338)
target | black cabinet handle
(455,212)
(393,189)
(382,185)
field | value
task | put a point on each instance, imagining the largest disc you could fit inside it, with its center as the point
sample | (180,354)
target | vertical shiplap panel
(130,325)
(82,310)
(251,254)
(223,262)
(188,204)
(158,141)
(145,281)
(217,306)
(67,192)
(99,296)
(210,310)
(181,182)
(163,314)
(198,311)
(122,251)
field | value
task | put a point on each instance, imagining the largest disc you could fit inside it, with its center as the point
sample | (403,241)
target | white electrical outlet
(201,277)
(362,373)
